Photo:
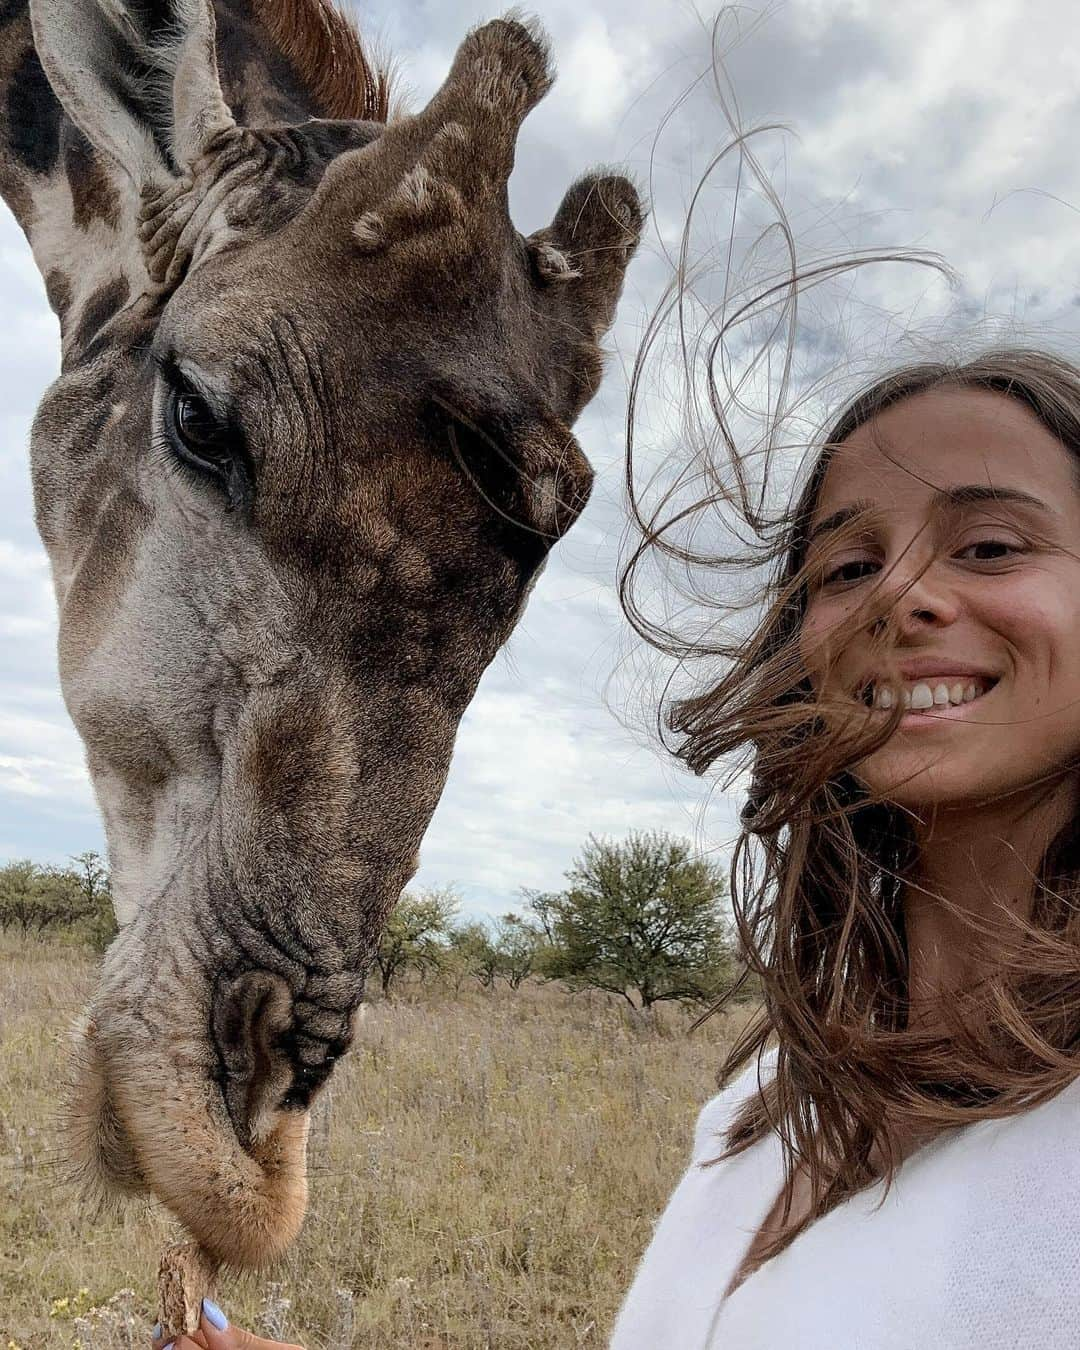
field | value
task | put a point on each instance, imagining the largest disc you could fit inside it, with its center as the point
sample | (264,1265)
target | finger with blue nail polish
(214,1315)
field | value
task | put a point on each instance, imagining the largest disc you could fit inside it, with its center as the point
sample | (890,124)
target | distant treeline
(75,899)
(642,918)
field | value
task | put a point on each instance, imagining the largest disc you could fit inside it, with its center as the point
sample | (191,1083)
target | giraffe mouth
(242,1200)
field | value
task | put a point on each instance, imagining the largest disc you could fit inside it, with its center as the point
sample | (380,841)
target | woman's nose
(922,599)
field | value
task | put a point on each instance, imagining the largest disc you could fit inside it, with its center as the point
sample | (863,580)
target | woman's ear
(140,81)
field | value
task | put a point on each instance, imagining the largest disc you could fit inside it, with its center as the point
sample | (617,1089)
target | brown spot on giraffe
(93,195)
(58,292)
(98,310)
(295,493)
(33,121)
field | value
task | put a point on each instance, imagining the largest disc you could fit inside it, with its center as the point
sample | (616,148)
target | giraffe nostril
(251,1014)
(275,1051)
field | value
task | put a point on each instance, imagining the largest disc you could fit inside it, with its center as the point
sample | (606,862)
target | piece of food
(185,1277)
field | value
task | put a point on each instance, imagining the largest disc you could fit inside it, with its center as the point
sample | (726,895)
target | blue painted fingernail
(156,1332)
(170,1345)
(214,1315)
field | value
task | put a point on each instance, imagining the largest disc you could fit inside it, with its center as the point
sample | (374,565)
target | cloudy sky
(947,128)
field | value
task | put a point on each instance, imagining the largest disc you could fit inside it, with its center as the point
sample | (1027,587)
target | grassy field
(485,1174)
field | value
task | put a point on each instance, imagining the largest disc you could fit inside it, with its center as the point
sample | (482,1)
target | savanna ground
(485,1174)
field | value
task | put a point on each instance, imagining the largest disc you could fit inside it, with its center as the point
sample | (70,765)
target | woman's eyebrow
(974,493)
(838,518)
(967,494)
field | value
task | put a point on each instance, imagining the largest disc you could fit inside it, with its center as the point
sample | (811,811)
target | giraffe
(307,453)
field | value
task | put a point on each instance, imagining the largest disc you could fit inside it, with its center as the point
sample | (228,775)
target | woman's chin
(909,782)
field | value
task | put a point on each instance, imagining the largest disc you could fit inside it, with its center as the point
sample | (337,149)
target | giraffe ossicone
(308,450)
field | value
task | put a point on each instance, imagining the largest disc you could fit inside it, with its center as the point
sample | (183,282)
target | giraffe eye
(196,425)
(204,443)
(199,435)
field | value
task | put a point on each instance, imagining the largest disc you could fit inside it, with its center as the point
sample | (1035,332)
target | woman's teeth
(929,694)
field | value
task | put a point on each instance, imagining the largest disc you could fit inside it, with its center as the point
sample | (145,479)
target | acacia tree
(36,898)
(92,877)
(517,944)
(415,934)
(642,918)
(94,885)
(39,898)
(506,948)
(20,895)
(474,951)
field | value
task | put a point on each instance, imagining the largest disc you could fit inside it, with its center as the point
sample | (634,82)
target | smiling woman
(974,553)
(890,1162)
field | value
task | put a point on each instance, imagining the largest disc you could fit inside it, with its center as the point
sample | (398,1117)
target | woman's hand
(214,1333)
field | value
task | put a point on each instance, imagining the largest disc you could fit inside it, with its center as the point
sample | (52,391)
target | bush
(644,919)
(415,934)
(518,944)
(506,948)
(471,951)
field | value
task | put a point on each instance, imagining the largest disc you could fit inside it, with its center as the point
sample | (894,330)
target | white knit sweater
(977,1247)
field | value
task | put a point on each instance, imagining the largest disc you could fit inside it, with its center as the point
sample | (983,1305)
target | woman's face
(974,538)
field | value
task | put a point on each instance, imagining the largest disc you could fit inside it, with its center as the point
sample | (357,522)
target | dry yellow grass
(486,1173)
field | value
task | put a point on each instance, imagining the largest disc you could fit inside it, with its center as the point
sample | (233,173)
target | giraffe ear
(583,254)
(140,81)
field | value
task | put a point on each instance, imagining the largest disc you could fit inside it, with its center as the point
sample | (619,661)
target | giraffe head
(309,450)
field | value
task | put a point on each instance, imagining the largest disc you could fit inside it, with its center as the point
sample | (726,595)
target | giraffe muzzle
(276,1050)
(151,1111)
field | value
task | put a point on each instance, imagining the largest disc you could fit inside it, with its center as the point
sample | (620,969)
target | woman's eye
(855,569)
(989,550)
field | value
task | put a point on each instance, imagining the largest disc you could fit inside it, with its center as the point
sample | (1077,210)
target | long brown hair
(819,865)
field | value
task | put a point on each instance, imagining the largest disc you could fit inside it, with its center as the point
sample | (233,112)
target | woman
(901,1169)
